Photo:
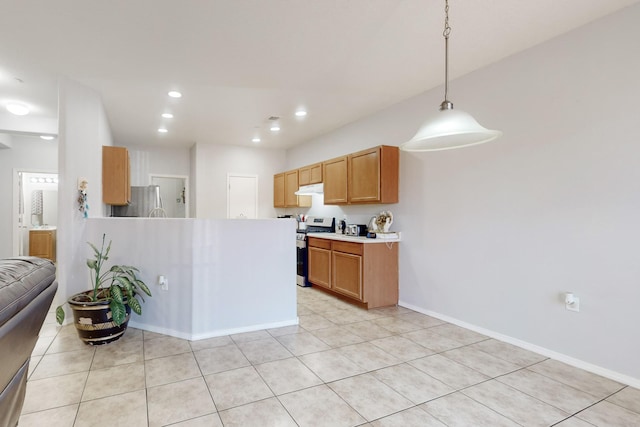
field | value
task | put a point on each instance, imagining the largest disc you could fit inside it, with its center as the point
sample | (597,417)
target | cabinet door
(347,274)
(278,190)
(316,173)
(42,244)
(310,174)
(373,175)
(364,176)
(116,188)
(319,266)
(290,188)
(304,176)
(334,174)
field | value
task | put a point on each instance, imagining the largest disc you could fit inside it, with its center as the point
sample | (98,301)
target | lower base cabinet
(366,273)
(319,263)
(42,243)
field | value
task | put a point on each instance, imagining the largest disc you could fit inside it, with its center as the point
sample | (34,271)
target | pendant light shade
(448,128)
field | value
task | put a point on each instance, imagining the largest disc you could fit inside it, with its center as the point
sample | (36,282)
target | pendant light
(448,128)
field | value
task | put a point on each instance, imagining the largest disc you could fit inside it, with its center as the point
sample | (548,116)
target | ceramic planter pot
(93,320)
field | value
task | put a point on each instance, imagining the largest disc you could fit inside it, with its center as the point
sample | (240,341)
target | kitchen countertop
(348,238)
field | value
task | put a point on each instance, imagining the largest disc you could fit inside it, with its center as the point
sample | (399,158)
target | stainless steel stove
(313,225)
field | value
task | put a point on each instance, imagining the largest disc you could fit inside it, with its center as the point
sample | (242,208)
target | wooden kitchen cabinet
(285,186)
(366,273)
(373,175)
(116,175)
(368,176)
(278,191)
(334,175)
(319,262)
(346,273)
(290,188)
(42,243)
(310,174)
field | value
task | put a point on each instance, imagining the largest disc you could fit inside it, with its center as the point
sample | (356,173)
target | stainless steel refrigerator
(145,202)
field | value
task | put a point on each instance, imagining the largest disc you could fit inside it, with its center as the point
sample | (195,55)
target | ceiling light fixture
(175,94)
(275,124)
(18,109)
(162,130)
(301,113)
(47,137)
(167,115)
(448,128)
(256,139)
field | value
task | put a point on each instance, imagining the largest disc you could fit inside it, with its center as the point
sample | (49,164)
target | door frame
(16,230)
(187,198)
(241,175)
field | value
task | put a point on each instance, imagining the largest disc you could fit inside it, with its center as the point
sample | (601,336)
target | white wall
(217,284)
(26,153)
(214,162)
(83,130)
(157,160)
(493,234)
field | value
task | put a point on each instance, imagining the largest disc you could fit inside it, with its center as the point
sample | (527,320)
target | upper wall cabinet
(334,173)
(310,174)
(285,186)
(373,175)
(116,175)
(290,188)
(368,176)
(278,191)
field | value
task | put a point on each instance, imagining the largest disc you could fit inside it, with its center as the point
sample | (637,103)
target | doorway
(242,196)
(35,201)
(174,194)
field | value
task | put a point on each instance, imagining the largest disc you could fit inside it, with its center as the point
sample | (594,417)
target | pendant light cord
(446,104)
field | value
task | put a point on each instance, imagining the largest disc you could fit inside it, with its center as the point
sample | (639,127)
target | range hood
(308,190)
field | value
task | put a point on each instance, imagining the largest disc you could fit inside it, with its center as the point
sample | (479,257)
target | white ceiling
(238,62)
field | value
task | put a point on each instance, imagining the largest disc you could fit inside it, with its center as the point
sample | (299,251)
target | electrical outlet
(163,282)
(573,305)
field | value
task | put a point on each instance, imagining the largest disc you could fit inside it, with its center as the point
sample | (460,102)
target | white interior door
(242,196)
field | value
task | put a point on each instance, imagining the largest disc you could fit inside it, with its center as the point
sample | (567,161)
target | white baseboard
(607,373)
(213,333)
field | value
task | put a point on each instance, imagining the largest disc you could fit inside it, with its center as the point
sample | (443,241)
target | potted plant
(102,313)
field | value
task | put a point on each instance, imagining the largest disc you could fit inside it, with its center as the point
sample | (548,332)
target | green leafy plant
(118,285)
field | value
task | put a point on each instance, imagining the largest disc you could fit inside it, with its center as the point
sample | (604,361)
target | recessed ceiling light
(162,130)
(301,113)
(46,137)
(167,115)
(255,140)
(274,127)
(18,109)
(175,94)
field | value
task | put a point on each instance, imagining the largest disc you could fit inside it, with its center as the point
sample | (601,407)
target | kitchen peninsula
(224,276)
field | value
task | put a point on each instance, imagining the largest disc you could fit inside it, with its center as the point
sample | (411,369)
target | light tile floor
(342,366)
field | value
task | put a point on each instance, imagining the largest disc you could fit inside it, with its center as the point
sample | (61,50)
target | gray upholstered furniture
(27,287)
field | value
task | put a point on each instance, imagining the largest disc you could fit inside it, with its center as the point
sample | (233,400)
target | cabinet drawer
(347,247)
(319,243)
